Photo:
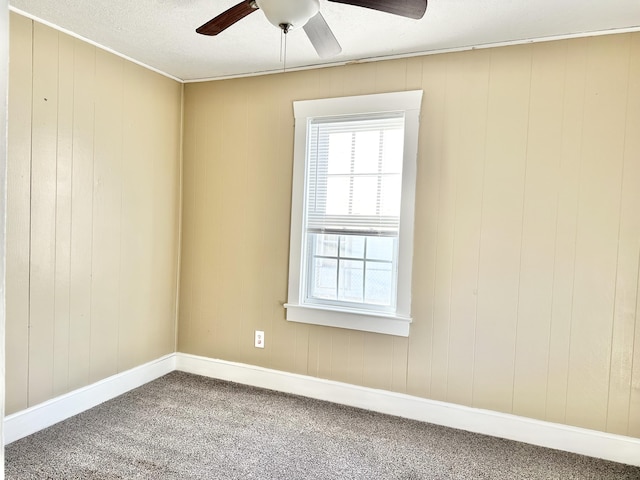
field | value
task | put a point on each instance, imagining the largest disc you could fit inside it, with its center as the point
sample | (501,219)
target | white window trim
(334,316)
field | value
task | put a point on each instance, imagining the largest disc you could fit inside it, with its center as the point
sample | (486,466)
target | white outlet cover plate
(259,339)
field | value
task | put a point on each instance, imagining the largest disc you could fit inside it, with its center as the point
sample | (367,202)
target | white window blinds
(354,176)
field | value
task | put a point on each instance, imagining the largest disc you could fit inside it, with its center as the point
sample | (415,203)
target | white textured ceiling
(161,33)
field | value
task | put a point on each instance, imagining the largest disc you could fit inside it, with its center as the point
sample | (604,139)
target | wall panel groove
(92,218)
(525,287)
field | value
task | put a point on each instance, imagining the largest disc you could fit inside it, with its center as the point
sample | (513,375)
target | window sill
(363,320)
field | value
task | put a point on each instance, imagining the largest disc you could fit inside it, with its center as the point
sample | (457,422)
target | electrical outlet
(259,339)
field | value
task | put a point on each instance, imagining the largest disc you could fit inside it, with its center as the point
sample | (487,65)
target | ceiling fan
(289,14)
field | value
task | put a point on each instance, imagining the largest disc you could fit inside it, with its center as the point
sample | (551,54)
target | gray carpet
(183,426)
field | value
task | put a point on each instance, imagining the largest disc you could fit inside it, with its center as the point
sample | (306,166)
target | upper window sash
(353,181)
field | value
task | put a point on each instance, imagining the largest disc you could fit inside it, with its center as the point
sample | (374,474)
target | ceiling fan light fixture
(289,14)
(293,13)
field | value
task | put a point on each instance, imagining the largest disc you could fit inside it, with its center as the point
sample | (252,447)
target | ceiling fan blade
(405,8)
(228,18)
(322,37)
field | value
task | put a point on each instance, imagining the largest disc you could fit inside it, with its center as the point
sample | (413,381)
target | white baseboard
(43,415)
(592,443)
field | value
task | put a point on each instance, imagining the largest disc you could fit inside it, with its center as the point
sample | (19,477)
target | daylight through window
(352,212)
(354,183)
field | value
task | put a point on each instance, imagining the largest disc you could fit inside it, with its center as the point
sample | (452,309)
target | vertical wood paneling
(189,211)
(275,203)
(323,338)
(135,231)
(81,214)
(340,357)
(378,361)
(565,238)
(209,191)
(256,314)
(413,77)
(399,365)
(501,237)
(160,206)
(625,315)
(212,189)
(355,358)
(313,352)
(418,374)
(250,311)
(64,171)
(301,349)
(262,306)
(43,212)
(18,215)
(632,155)
(107,205)
(358,79)
(230,170)
(333,81)
(66,210)
(598,229)
(535,293)
(4,89)
(469,80)
(448,172)
(521,197)
(146,223)
(390,76)
(528,152)
(425,229)
(634,397)
(193,239)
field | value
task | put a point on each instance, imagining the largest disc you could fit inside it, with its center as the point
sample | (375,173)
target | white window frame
(392,323)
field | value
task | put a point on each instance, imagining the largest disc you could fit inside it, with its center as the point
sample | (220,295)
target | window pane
(352,246)
(367,152)
(340,152)
(380,248)
(345,249)
(326,245)
(351,280)
(392,151)
(391,194)
(324,278)
(365,196)
(337,196)
(378,283)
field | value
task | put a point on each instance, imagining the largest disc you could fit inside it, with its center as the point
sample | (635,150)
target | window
(352,214)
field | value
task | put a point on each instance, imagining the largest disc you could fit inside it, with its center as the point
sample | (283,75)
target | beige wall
(525,293)
(92,226)
(527,248)
(4,77)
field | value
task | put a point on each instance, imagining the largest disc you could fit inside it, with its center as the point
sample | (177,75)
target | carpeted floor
(183,426)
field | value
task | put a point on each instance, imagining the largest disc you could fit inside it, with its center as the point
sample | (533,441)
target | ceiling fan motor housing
(293,13)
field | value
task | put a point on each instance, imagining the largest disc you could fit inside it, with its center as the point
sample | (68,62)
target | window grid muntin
(310,269)
(318,178)
(318,162)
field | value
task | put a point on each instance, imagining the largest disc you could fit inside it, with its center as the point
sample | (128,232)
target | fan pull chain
(284,64)
(284,29)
